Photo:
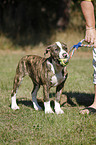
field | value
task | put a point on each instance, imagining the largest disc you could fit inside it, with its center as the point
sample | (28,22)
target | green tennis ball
(63,62)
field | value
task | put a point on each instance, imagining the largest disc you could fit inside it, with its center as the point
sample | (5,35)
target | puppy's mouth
(61,61)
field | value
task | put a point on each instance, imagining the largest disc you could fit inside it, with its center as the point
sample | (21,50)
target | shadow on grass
(29,102)
(76,98)
(71,98)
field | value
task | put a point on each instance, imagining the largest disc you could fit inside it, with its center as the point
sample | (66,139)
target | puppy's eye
(66,48)
(56,49)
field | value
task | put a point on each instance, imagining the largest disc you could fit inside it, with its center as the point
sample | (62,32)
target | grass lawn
(29,127)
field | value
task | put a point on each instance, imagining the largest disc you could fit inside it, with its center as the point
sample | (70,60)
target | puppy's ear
(47,49)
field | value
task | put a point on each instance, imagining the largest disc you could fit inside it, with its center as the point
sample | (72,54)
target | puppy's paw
(47,107)
(15,107)
(48,111)
(39,108)
(59,111)
(36,106)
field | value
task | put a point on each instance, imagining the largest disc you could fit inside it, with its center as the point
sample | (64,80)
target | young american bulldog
(48,72)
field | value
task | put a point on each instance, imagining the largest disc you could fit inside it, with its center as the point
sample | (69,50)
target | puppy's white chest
(57,79)
(57,75)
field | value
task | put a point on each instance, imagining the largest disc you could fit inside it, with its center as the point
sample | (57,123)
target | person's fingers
(91,36)
(86,38)
(92,39)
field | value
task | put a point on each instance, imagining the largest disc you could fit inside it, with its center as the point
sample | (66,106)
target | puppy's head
(58,51)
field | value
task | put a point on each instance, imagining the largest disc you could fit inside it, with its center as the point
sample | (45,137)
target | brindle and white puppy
(43,71)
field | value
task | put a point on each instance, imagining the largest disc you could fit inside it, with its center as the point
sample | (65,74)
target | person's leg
(94,77)
(94,103)
(92,108)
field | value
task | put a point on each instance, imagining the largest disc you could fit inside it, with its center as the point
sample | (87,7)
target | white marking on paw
(36,106)
(34,99)
(14,105)
(58,110)
(47,107)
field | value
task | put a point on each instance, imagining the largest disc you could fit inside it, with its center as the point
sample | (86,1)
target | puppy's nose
(65,55)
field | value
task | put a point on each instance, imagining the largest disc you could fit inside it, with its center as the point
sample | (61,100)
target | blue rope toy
(64,62)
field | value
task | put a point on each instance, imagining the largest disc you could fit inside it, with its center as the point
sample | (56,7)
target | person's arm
(88,12)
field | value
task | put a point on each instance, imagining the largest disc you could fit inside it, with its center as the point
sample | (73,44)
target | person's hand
(91,36)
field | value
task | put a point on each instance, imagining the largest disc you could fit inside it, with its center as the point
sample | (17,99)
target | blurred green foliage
(35,17)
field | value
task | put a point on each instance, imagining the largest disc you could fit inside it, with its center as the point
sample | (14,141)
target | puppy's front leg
(47,106)
(58,110)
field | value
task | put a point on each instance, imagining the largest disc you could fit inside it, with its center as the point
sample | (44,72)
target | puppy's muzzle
(64,61)
(65,55)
